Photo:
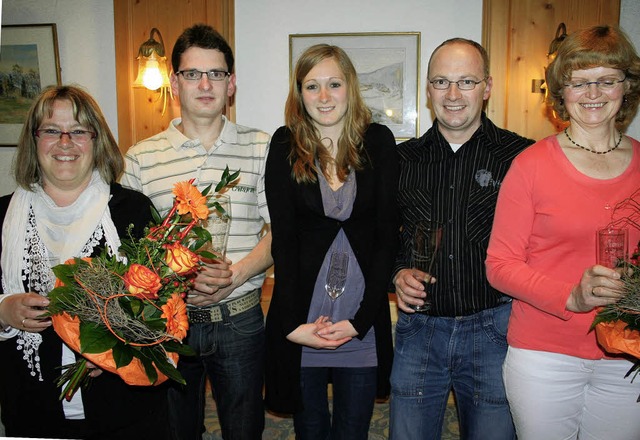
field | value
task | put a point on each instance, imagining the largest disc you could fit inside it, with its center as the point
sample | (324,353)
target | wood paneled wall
(517,34)
(140,110)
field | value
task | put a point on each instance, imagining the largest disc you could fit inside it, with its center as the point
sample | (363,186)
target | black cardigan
(31,408)
(302,235)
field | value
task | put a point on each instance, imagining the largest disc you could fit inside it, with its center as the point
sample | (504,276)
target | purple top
(338,205)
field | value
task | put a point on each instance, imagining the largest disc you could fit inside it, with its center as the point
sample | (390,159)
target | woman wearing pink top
(560,384)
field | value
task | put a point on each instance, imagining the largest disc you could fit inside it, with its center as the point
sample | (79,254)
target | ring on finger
(22,322)
(593,291)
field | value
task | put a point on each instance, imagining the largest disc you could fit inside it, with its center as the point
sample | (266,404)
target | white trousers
(559,397)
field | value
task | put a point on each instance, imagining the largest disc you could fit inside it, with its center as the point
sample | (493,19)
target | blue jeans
(354,394)
(435,354)
(231,353)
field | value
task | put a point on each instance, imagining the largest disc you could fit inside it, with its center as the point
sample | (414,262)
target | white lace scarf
(36,229)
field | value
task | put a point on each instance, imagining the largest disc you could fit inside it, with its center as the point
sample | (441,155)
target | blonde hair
(305,137)
(106,155)
(597,46)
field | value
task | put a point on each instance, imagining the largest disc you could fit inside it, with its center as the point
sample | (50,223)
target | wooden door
(517,34)
(140,111)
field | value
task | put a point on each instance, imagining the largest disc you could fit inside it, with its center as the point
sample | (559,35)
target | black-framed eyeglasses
(463,84)
(602,84)
(196,75)
(76,136)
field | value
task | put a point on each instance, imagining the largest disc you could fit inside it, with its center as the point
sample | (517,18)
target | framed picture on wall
(388,67)
(29,62)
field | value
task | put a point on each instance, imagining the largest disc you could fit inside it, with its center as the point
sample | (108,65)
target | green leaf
(95,338)
(122,355)
(164,366)
(155,215)
(151,372)
(177,347)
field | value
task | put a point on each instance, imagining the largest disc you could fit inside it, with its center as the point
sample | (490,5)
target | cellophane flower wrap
(617,325)
(126,313)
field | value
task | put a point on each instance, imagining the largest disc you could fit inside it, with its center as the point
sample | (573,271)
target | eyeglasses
(463,84)
(196,75)
(76,136)
(602,84)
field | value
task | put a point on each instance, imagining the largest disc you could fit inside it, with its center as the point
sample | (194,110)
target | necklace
(594,151)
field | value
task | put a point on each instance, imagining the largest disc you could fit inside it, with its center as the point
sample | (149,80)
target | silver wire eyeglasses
(463,84)
(602,84)
(196,75)
(76,136)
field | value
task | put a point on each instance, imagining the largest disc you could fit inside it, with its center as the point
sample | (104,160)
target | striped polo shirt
(155,164)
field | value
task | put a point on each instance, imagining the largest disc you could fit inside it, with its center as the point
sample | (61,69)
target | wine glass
(218,225)
(336,277)
(426,244)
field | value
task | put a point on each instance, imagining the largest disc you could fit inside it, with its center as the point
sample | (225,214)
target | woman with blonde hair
(331,182)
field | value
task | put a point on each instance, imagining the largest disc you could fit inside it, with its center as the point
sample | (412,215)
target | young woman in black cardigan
(331,182)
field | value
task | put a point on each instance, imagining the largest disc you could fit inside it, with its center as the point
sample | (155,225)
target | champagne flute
(426,244)
(336,277)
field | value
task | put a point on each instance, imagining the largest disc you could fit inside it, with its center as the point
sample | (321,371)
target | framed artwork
(29,62)
(388,67)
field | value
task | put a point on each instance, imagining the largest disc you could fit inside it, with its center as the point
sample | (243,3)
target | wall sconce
(152,67)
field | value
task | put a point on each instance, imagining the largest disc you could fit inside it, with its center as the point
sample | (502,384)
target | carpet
(281,428)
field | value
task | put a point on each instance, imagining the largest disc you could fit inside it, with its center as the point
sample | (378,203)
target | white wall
(629,13)
(87,53)
(262,42)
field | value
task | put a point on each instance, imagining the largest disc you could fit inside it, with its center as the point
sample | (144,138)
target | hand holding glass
(336,277)
(426,244)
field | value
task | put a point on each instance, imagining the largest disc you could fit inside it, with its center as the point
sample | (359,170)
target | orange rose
(142,282)
(180,259)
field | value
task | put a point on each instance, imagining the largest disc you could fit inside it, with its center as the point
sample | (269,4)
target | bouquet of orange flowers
(126,313)
(617,325)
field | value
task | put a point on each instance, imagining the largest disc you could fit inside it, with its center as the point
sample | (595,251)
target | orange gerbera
(190,200)
(175,312)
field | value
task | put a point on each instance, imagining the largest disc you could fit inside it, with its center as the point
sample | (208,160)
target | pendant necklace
(589,149)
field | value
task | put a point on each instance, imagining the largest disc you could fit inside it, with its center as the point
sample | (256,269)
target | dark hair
(106,155)
(306,143)
(597,46)
(204,37)
(477,46)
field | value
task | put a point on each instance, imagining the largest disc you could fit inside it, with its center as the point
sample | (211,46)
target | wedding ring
(593,291)
(23,320)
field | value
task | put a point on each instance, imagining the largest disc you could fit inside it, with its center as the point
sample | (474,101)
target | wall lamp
(152,67)
(538,85)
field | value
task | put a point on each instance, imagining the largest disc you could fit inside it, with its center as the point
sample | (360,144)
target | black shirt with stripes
(460,190)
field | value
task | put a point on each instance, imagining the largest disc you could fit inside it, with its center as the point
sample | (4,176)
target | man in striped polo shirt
(226,320)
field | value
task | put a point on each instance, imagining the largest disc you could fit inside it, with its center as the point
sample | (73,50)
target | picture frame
(29,62)
(388,67)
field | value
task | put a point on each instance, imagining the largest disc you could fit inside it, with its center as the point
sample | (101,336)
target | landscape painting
(387,65)
(28,63)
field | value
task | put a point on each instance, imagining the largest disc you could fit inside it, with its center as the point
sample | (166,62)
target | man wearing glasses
(452,175)
(225,317)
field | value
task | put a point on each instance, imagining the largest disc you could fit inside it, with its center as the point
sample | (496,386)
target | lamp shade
(152,64)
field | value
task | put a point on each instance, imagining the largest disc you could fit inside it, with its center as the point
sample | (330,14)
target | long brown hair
(106,155)
(305,137)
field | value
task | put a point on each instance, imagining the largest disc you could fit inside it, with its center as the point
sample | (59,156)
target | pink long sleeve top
(543,238)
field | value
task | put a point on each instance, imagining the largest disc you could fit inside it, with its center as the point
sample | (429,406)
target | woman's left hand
(338,331)
(599,286)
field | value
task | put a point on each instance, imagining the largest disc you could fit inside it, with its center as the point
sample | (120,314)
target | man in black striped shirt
(452,175)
